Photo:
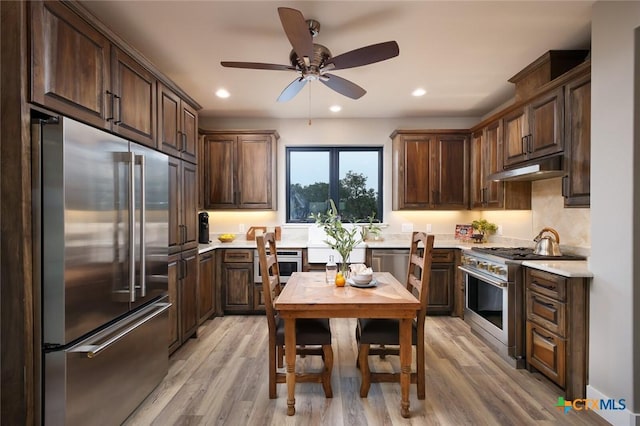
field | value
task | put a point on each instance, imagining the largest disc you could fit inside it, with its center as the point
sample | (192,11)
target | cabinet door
(183,204)
(255,172)
(70,64)
(492,163)
(412,166)
(189,294)
(476,187)
(189,132)
(175,205)
(169,115)
(546,352)
(174,299)
(219,171)
(440,290)
(206,287)
(134,99)
(237,282)
(189,205)
(515,131)
(258,298)
(577,158)
(546,125)
(449,174)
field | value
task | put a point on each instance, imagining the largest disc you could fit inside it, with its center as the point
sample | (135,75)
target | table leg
(290,354)
(405,365)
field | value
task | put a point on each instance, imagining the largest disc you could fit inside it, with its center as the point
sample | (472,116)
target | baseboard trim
(615,417)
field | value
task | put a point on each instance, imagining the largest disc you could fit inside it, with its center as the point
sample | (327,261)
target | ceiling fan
(313,61)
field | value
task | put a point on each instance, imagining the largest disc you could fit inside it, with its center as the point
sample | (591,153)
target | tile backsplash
(547,206)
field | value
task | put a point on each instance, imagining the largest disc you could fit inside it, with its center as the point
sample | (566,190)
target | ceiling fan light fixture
(418,92)
(335,108)
(222,93)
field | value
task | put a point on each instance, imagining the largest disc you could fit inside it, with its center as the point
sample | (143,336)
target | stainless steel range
(495,294)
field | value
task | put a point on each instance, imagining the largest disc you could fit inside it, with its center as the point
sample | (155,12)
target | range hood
(545,168)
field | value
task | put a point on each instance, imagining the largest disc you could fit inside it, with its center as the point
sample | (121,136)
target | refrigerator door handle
(143,224)
(92,351)
(132,222)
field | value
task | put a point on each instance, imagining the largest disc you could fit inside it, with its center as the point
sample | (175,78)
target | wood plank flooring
(221,378)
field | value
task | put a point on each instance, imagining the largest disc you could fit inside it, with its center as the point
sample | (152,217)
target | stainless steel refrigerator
(101,205)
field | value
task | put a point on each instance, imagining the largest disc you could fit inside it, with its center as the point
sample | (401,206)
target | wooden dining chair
(313,336)
(385,334)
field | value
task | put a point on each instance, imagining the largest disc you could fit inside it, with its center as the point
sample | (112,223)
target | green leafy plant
(484,227)
(371,231)
(341,239)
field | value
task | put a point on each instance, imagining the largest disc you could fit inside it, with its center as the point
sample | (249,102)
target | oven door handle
(485,278)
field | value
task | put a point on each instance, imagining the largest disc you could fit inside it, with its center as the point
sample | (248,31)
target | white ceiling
(461,52)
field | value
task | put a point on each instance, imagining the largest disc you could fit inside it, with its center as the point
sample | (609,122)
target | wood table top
(308,295)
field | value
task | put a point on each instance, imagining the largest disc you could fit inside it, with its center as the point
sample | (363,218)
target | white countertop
(566,268)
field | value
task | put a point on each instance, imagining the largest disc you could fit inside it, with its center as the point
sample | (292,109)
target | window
(351,176)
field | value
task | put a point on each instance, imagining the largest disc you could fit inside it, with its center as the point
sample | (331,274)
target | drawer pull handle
(548,305)
(549,287)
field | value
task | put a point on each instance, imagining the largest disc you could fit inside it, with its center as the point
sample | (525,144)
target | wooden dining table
(308,295)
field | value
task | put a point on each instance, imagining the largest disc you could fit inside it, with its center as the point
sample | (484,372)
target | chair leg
(326,373)
(363,359)
(272,371)
(420,370)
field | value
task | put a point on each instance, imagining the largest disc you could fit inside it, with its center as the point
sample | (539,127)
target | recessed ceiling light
(222,93)
(335,108)
(418,92)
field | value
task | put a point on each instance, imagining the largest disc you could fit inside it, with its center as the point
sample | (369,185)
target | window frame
(334,173)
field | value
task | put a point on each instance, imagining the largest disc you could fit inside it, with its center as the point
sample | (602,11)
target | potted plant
(371,231)
(484,228)
(341,239)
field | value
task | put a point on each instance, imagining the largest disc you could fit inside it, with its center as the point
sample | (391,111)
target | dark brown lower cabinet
(206,287)
(557,309)
(239,292)
(183,296)
(443,274)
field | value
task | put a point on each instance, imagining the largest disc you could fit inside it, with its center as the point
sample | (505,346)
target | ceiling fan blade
(257,66)
(342,86)
(292,89)
(297,31)
(365,55)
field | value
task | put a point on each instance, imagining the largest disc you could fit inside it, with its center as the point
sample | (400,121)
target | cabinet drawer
(442,256)
(547,284)
(238,256)
(547,312)
(546,352)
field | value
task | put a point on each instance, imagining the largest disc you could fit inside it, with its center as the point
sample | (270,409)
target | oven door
(486,304)
(287,264)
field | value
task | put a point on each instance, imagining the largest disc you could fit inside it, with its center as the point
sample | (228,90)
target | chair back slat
(270,273)
(419,271)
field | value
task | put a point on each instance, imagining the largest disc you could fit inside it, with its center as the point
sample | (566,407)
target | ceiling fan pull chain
(309,113)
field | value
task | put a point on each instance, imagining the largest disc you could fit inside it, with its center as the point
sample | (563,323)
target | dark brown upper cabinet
(239,169)
(430,170)
(576,186)
(486,159)
(535,129)
(177,125)
(75,70)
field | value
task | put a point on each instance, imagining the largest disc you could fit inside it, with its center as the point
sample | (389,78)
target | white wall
(614,335)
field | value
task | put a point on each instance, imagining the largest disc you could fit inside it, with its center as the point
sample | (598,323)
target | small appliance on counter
(203,228)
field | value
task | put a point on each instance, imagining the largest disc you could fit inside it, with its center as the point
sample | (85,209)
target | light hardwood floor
(221,378)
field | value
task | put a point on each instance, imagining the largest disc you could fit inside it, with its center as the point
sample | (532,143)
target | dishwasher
(395,261)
